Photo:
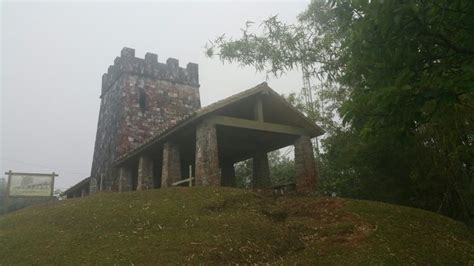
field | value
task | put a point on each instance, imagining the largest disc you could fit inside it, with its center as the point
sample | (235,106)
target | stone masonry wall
(164,104)
(261,171)
(207,158)
(125,179)
(171,168)
(306,173)
(140,97)
(110,114)
(145,173)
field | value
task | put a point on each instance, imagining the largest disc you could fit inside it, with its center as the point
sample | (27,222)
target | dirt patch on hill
(322,220)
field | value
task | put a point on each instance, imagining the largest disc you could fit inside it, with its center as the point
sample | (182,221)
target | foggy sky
(54,55)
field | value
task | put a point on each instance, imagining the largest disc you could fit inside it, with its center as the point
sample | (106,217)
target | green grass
(217,225)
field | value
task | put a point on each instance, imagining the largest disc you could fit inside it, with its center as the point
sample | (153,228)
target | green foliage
(373,171)
(212,225)
(401,76)
(282,170)
(409,67)
(243,173)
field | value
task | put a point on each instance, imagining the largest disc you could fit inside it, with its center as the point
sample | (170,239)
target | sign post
(30,185)
(7,191)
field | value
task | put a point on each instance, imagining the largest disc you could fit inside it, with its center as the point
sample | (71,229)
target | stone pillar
(261,171)
(93,185)
(171,167)
(207,160)
(125,179)
(228,175)
(306,174)
(145,173)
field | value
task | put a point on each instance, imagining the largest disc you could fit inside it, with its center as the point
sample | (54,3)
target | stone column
(306,174)
(145,173)
(93,185)
(207,159)
(125,179)
(228,175)
(171,167)
(261,171)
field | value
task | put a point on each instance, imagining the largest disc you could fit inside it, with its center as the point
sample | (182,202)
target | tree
(281,169)
(401,76)
(243,174)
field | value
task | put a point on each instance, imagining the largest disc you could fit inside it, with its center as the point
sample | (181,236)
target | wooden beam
(183,181)
(256,125)
(244,155)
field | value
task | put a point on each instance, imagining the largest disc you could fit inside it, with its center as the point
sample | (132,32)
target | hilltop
(215,225)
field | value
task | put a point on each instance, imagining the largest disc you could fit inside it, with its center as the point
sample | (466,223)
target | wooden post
(100,183)
(53,175)
(7,192)
(190,175)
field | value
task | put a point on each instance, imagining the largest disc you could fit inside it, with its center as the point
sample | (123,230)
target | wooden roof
(79,185)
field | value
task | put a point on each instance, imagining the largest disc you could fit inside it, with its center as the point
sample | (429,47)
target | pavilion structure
(206,144)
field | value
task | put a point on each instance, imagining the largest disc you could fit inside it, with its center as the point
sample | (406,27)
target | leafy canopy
(401,76)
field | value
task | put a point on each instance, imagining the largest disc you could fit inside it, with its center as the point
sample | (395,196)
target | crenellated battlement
(149,66)
(140,97)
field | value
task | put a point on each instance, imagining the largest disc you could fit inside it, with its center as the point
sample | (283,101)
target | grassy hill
(215,225)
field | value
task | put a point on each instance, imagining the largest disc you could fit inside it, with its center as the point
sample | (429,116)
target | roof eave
(79,184)
(314,129)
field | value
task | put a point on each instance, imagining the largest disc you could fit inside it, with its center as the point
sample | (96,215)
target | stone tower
(139,98)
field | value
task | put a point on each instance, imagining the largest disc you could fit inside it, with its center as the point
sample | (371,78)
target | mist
(54,55)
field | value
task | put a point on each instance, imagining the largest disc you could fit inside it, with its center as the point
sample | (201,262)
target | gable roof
(83,182)
(209,109)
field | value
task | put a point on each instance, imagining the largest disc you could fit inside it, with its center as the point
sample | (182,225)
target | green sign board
(30,184)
